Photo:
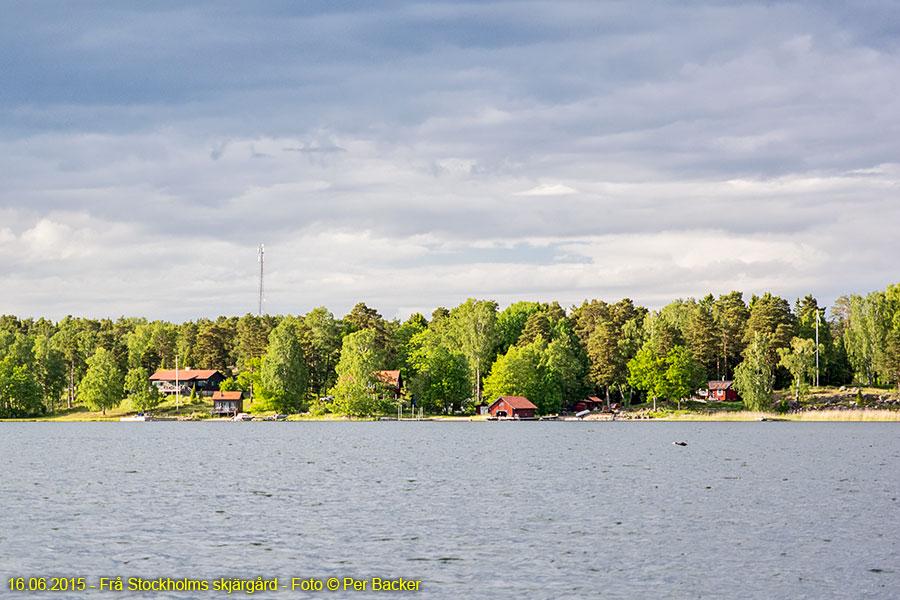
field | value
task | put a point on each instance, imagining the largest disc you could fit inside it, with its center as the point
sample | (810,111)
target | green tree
(400,343)
(356,390)
(702,335)
(69,339)
(142,393)
(352,397)
(587,316)
(754,378)
(511,322)
(772,315)
(833,369)
(523,371)
(325,341)
(186,343)
(674,375)
(248,381)
(800,360)
(440,381)
(103,385)
(683,374)
(568,362)
(645,371)
(283,372)
(362,317)
(607,366)
(213,347)
(891,362)
(252,338)
(51,371)
(473,328)
(867,325)
(537,325)
(20,392)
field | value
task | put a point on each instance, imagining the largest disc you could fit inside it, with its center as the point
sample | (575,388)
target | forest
(456,357)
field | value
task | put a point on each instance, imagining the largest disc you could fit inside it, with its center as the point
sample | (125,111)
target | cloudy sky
(413,154)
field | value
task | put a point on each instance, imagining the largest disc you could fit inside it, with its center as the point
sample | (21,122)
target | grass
(187,409)
(810,416)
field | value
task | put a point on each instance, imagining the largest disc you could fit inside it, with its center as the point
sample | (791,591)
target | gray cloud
(414,154)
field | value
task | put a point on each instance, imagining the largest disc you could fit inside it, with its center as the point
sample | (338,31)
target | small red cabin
(590,403)
(228,403)
(721,391)
(516,407)
(393,380)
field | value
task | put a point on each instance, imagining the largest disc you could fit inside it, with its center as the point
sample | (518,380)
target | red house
(516,407)
(590,403)
(169,381)
(228,403)
(393,380)
(721,391)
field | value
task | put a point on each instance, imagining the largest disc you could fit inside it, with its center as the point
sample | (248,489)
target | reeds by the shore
(872,415)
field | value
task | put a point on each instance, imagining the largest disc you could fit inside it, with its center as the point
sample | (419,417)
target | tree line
(455,357)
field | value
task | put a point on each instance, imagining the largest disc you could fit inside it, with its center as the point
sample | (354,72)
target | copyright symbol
(333,584)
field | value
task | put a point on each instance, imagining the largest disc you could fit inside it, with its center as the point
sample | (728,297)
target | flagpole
(817,346)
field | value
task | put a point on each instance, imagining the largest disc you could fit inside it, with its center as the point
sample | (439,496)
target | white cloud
(549,189)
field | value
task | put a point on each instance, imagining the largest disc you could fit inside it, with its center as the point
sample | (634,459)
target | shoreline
(812,416)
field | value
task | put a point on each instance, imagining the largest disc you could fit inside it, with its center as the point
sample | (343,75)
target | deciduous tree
(283,373)
(473,328)
(103,384)
(142,393)
(754,378)
(800,360)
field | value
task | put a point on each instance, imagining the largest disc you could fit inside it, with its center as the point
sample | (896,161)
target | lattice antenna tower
(262,257)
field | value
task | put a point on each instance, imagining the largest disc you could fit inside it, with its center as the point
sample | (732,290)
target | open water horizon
(471,510)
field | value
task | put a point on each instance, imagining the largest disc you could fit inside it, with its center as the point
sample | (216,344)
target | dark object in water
(680,443)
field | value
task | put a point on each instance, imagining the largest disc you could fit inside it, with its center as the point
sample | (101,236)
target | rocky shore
(851,398)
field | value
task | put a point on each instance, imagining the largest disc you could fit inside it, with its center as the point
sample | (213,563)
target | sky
(411,155)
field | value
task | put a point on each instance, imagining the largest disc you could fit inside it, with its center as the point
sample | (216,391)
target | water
(472,510)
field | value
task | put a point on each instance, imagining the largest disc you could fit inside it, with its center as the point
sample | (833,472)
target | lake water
(472,510)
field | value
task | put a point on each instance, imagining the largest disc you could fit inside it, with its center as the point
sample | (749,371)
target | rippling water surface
(473,510)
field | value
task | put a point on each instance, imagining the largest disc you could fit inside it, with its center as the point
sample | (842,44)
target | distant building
(518,407)
(205,380)
(589,403)
(228,403)
(393,380)
(720,391)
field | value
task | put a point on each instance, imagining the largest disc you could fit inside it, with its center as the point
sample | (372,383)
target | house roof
(236,395)
(183,374)
(389,377)
(519,402)
(720,385)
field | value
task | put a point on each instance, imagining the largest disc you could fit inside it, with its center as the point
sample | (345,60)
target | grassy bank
(873,415)
(189,410)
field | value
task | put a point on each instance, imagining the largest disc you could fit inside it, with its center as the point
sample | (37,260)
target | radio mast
(262,256)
